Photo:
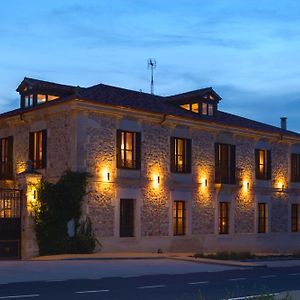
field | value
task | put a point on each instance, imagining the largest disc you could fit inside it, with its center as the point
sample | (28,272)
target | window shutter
(257,174)
(10,156)
(269,165)
(172,154)
(44,149)
(217,167)
(138,150)
(31,148)
(232,164)
(119,133)
(188,156)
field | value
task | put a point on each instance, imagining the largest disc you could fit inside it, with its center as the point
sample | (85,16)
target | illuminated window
(41,98)
(38,149)
(223,217)
(225,163)
(262,217)
(186,106)
(50,97)
(195,107)
(128,149)
(295,217)
(6,155)
(263,164)
(181,155)
(295,167)
(179,218)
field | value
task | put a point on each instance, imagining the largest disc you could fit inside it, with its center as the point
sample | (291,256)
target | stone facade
(83,138)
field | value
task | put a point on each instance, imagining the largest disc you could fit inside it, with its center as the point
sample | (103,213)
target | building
(172,173)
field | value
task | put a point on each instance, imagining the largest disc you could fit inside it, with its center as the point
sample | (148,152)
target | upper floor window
(224,163)
(128,149)
(41,98)
(6,155)
(194,107)
(38,149)
(28,100)
(295,167)
(202,108)
(181,152)
(207,109)
(263,164)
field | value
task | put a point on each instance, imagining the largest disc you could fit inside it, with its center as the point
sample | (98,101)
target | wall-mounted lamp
(34,194)
(156,180)
(281,187)
(204,182)
(108,176)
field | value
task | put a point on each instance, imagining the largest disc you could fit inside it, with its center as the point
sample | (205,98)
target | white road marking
(268,276)
(294,274)
(151,286)
(88,292)
(252,296)
(236,279)
(19,296)
(198,282)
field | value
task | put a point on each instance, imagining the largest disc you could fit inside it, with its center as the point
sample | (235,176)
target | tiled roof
(142,101)
(121,97)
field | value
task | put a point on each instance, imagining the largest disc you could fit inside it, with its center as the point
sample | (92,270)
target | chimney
(283,123)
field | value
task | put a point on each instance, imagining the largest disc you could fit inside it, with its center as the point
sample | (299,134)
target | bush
(56,205)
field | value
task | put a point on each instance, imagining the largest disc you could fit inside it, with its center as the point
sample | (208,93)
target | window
(186,106)
(179,218)
(6,155)
(126,217)
(195,107)
(41,98)
(50,97)
(204,108)
(223,217)
(210,110)
(28,100)
(128,149)
(263,164)
(295,167)
(224,163)
(181,155)
(295,217)
(262,217)
(38,149)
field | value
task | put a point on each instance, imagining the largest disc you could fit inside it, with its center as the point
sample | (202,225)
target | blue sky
(247,50)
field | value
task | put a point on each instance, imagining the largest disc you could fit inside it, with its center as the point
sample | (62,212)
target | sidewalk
(184,256)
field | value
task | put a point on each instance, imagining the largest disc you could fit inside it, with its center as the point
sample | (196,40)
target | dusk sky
(247,50)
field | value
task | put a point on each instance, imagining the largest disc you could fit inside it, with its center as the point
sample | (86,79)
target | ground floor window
(224,217)
(262,217)
(126,217)
(179,217)
(295,217)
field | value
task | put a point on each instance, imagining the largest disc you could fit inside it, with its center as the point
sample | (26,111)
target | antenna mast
(152,66)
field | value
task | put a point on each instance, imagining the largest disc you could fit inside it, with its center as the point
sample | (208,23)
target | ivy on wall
(59,207)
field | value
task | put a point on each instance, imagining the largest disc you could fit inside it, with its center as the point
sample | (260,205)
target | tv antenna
(152,66)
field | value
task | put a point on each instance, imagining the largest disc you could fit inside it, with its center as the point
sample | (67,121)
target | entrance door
(10,224)
(126,217)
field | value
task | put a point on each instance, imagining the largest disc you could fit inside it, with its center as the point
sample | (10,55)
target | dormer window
(41,98)
(207,109)
(28,100)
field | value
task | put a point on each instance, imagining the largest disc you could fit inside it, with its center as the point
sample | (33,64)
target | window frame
(295,217)
(262,217)
(127,217)
(267,164)
(186,155)
(135,150)
(38,149)
(176,230)
(295,167)
(225,170)
(6,158)
(224,217)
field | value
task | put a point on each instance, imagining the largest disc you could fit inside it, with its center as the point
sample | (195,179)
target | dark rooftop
(121,97)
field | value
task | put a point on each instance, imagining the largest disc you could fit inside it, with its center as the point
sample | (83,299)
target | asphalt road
(211,285)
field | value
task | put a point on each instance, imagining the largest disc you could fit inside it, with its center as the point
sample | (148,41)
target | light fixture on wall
(246,185)
(204,182)
(280,187)
(105,175)
(156,180)
(108,176)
